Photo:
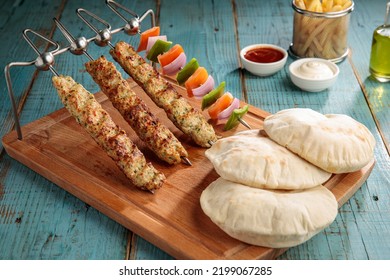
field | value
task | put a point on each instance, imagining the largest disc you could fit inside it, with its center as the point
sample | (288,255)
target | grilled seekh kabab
(189,120)
(134,110)
(83,106)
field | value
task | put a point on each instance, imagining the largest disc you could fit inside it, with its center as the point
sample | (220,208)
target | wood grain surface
(39,220)
(56,147)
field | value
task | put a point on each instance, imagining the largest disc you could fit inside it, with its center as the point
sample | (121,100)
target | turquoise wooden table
(39,220)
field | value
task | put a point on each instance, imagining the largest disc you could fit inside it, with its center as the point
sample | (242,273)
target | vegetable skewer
(148,128)
(178,110)
(197,81)
(83,106)
(134,110)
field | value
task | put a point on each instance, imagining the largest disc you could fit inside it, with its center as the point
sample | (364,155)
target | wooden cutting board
(56,147)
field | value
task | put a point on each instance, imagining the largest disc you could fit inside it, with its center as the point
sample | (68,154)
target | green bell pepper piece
(237,114)
(187,71)
(158,48)
(213,95)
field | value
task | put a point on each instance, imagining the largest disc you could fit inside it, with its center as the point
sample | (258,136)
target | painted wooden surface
(55,146)
(38,220)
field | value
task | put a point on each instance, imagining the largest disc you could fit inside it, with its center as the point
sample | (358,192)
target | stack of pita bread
(270,190)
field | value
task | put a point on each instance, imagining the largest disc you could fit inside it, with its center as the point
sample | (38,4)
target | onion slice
(202,90)
(152,40)
(176,65)
(229,110)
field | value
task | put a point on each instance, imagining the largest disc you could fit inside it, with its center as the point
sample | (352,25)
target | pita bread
(268,218)
(254,160)
(335,143)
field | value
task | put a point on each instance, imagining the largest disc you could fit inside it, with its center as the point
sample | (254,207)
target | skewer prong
(110,45)
(244,123)
(88,55)
(186,160)
(54,71)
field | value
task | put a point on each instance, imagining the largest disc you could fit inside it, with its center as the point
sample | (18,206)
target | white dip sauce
(315,70)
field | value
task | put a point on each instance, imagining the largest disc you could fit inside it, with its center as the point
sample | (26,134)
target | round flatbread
(255,160)
(334,142)
(268,218)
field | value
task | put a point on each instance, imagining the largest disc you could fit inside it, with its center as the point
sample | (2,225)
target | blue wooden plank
(144,250)
(69,64)
(370,15)
(41,221)
(345,97)
(272,24)
(206,30)
(16,16)
(364,219)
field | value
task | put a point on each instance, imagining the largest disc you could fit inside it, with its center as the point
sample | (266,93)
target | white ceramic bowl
(313,82)
(263,69)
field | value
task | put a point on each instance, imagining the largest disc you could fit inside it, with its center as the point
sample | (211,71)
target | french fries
(324,6)
(317,36)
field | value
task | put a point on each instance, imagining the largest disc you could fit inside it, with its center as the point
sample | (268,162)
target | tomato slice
(143,41)
(197,79)
(221,104)
(166,58)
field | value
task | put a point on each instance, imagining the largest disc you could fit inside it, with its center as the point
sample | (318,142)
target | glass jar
(320,35)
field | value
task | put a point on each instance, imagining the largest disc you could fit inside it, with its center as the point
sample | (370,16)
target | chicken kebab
(189,120)
(134,110)
(88,112)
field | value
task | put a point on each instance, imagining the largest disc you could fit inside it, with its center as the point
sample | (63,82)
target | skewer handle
(103,36)
(132,26)
(45,60)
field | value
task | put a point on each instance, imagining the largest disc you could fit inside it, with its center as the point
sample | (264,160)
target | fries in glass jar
(321,28)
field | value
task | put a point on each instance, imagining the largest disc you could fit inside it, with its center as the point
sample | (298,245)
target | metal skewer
(103,36)
(244,123)
(132,27)
(79,45)
(43,62)
(133,24)
(211,142)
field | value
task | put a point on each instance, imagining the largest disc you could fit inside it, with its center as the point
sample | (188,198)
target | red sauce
(264,55)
